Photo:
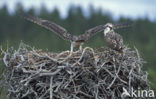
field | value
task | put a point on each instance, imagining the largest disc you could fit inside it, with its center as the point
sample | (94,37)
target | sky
(126,8)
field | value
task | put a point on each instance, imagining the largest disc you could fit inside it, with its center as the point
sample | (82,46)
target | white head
(109,27)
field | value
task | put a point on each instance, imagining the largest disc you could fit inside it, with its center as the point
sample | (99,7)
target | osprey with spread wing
(76,41)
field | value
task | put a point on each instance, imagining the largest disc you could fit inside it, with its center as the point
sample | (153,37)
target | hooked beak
(121,25)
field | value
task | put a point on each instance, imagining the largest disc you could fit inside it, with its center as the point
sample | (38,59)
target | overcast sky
(126,8)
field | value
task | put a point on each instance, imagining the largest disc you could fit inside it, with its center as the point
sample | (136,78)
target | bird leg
(70,54)
(80,48)
(71,48)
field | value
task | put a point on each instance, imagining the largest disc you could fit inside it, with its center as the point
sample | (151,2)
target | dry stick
(50,74)
(108,72)
(97,91)
(41,72)
(58,86)
(61,54)
(2,51)
(27,80)
(72,53)
(66,58)
(5,58)
(53,59)
(116,73)
(89,96)
(28,92)
(129,76)
(41,97)
(38,74)
(51,89)
(102,66)
(35,94)
(120,78)
(138,56)
(83,55)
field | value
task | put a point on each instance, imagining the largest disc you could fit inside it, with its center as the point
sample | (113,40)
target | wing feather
(122,25)
(91,32)
(62,32)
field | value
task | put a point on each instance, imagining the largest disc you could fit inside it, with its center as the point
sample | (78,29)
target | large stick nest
(91,74)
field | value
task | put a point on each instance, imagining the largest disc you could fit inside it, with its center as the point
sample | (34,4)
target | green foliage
(14,28)
(152,78)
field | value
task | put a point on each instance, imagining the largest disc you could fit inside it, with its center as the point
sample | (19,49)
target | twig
(51,89)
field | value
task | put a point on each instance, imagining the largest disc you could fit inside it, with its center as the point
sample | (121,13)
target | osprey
(76,41)
(113,39)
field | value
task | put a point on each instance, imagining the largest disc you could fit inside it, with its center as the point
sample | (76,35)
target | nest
(91,74)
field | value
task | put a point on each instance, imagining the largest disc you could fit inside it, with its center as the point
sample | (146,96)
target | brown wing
(50,26)
(122,25)
(91,32)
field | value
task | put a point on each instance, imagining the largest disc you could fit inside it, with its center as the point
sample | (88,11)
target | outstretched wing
(122,25)
(50,26)
(91,32)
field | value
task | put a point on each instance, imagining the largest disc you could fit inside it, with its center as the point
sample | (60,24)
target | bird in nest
(78,41)
(113,39)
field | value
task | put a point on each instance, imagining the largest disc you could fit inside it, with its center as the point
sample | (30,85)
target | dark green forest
(14,28)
